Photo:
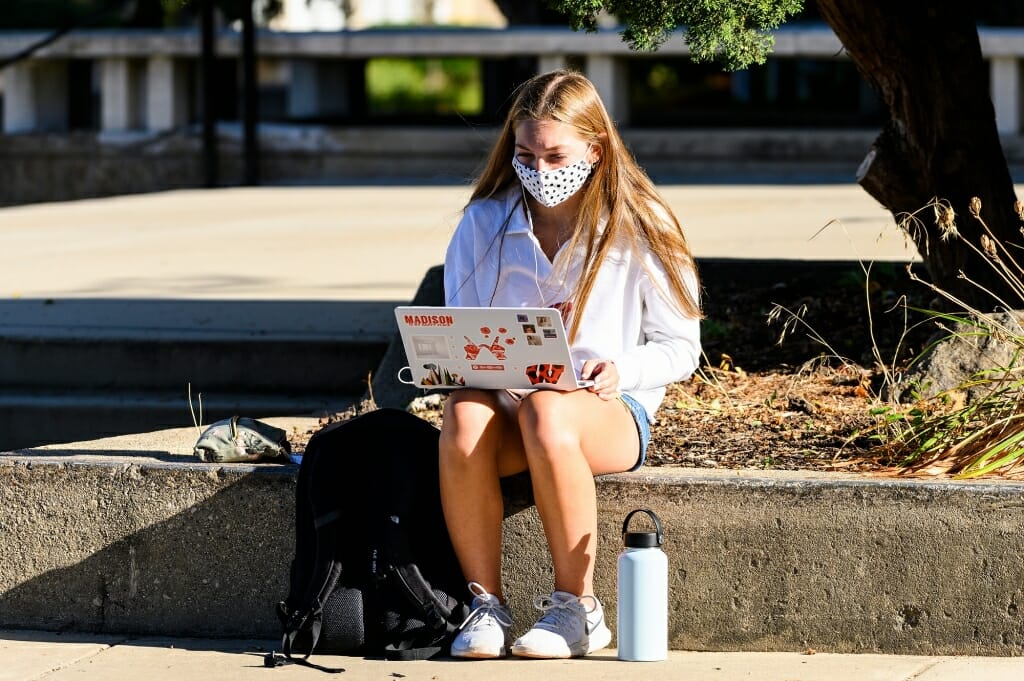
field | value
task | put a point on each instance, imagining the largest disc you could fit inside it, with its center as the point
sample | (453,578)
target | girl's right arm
(459,285)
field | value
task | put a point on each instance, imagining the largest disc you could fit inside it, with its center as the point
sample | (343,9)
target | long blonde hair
(617,188)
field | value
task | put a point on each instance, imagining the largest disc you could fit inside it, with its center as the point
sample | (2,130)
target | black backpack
(374,571)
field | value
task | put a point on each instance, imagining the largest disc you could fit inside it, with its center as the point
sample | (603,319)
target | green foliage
(967,440)
(735,32)
(712,328)
(882,275)
(976,427)
(424,86)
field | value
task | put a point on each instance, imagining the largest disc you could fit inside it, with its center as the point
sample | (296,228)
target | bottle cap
(642,540)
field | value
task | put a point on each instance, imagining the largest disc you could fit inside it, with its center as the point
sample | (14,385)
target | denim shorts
(643,426)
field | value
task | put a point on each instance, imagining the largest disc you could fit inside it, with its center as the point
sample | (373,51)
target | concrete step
(132,534)
(31,419)
(256,365)
(75,369)
(278,347)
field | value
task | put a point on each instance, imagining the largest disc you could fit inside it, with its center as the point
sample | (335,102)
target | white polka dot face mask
(552,187)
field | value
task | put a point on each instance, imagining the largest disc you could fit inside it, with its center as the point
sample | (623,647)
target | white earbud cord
(536,261)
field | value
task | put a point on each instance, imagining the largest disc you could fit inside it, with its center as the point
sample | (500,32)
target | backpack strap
(313,622)
(277,660)
(303,611)
(417,590)
(403,651)
(293,625)
(435,612)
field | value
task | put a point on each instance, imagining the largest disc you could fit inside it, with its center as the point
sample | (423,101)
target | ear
(596,153)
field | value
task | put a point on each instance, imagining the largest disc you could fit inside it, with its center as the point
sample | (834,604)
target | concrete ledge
(784,561)
(39,167)
(159,544)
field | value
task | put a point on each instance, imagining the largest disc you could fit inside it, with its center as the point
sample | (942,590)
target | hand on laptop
(605,376)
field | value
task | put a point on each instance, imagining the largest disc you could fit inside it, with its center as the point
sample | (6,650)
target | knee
(468,416)
(545,424)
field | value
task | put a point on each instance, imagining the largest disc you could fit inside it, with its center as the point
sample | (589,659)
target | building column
(319,88)
(121,83)
(1005,87)
(166,94)
(19,96)
(36,96)
(550,62)
(302,89)
(611,79)
(740,87)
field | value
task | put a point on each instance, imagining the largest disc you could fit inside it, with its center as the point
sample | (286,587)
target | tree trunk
(924,59)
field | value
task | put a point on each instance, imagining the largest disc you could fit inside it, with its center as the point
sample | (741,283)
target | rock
(426,403)
(385,388)
(984,351)
(800,404)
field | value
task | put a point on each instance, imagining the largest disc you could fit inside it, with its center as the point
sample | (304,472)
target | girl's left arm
(671,349)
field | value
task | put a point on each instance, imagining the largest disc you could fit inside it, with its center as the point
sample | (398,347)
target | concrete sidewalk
(366,243)
(39,656)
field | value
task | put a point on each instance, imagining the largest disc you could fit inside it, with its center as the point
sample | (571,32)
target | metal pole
(208,68)
(250,103)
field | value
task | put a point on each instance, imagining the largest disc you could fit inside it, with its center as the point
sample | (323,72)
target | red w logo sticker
(544,373)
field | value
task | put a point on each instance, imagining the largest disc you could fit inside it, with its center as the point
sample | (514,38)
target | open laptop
(486,347)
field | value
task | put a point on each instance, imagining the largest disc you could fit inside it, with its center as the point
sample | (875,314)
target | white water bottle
(642,593)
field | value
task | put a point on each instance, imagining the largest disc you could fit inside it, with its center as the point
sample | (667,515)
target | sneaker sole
(567,653)
(480,654)
(599,640)
(540,656)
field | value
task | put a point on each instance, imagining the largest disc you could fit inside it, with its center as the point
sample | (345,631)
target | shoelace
(489,605)
(559,609)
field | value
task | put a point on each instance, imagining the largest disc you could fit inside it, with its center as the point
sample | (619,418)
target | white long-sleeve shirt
(495,260)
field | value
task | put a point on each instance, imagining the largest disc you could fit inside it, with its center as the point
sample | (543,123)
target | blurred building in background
(333,15)
(346,88)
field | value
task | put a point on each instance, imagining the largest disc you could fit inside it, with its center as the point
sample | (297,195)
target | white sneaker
(566,629)
(485,633)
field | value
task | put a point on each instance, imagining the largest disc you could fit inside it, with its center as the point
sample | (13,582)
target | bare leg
(480,443)
(569,438)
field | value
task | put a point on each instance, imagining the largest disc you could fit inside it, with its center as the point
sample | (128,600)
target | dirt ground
(794,357)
